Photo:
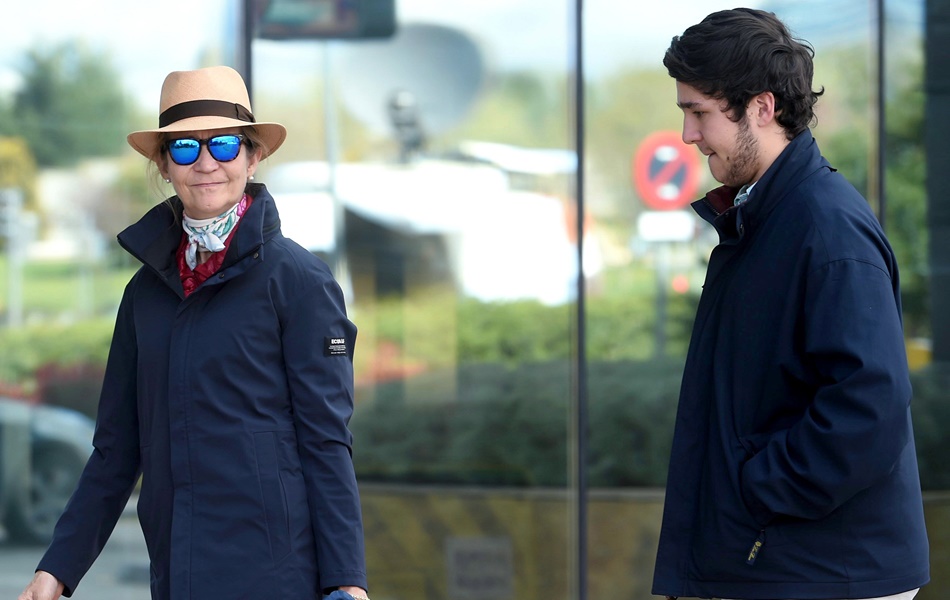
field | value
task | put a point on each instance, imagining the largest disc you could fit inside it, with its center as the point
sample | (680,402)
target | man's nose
(691,134)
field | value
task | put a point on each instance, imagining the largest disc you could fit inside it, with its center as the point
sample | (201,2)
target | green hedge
(487,424)
(510,426)
(502,417)
(39,355)
(931,411)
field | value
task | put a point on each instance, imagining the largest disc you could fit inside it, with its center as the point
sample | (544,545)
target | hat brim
(146,142)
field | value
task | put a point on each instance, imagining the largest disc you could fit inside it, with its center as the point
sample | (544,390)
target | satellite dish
(438,70)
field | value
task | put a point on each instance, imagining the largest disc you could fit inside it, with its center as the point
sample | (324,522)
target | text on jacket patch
(334,346)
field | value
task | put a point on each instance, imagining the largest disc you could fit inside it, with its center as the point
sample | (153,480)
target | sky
(146,44)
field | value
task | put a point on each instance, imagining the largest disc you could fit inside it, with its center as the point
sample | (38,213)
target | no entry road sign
(666,171)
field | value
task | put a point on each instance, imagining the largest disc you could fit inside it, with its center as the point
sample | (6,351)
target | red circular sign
(666,171)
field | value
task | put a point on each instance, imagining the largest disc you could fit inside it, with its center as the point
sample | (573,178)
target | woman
(229,383)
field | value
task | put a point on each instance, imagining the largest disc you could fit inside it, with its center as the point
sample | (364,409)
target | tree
(847,145)
(69,107)
(907,198)
(520,108)
(17,169)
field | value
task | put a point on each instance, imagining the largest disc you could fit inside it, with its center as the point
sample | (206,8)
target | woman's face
(208,187)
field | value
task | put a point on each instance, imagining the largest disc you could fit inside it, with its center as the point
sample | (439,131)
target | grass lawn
(57,290)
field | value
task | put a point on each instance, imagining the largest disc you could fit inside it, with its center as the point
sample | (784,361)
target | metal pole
(247,38)
(881,116)
(332,144)
(330,135)
(580,400)
(662,256)
(876,181)
(937,118)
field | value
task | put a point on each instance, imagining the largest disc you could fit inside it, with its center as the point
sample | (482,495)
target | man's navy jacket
(233,403)
(793,472)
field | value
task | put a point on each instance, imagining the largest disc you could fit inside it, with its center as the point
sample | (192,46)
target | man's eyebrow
(688,105)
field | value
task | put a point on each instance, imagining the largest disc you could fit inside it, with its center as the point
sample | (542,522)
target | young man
(793,472)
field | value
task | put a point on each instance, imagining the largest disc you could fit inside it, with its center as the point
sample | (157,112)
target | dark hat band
(204,108)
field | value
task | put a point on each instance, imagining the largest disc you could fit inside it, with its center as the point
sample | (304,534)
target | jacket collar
(798,160)
(155,237)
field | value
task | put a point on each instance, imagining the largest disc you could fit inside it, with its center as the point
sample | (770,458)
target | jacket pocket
(273,497)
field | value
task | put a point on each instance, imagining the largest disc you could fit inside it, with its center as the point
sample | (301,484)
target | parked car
(43,450)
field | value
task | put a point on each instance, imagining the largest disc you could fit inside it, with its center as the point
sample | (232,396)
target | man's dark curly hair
(737,54)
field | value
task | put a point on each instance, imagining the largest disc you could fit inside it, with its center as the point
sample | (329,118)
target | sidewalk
(120,573)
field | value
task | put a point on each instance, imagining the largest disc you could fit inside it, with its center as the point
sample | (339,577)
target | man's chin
(714,169)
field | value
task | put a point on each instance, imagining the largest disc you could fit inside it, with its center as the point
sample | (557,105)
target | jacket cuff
(335,579)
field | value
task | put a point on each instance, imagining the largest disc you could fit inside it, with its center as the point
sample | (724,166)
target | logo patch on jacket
(334,346)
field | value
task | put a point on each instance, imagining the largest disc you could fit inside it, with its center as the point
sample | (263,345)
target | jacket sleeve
(318,341)
(858,423)
(110,473)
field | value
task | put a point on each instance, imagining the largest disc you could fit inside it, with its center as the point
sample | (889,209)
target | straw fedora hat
(209,98)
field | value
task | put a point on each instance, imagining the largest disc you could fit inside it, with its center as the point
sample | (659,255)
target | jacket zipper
(756,547)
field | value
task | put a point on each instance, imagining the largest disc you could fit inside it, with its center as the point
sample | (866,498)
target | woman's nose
(205,161)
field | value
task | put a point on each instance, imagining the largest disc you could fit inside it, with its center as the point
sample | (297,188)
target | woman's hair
(734,55)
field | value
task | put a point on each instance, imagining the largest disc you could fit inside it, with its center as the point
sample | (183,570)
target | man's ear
(762,108)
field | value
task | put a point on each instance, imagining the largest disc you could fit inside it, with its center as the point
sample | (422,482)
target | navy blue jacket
(793,472)
(233,404)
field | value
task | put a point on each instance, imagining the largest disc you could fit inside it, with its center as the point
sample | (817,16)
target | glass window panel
(658,265)
(435,173)
(445,154)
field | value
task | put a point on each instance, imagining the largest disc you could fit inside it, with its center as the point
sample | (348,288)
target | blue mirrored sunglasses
(223,148)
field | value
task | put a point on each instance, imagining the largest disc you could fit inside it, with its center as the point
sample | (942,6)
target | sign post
(666,174)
